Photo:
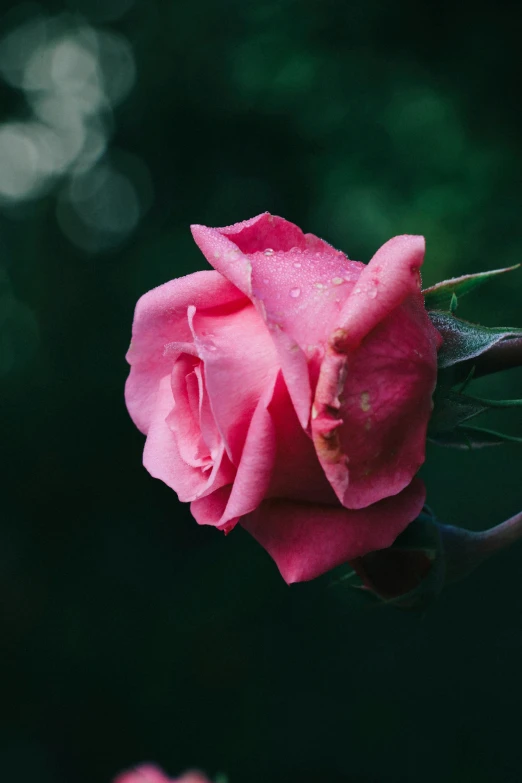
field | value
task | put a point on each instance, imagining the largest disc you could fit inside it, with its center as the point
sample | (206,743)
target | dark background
(129,633)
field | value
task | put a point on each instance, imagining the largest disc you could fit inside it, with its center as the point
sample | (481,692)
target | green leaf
(464,340)
(470,438)
(443,296)
(453,409)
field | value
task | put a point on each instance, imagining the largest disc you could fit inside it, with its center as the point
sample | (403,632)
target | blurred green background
(129,633)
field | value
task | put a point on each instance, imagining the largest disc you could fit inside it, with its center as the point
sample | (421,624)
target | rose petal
(297,281)
(373,396)
(161,456)
(211,510)
(264,231)
(373,406)
(306,540)
(223,509)
(279,460)
(161,318)
(184,420)
(391,277)
(301,280)
(297,472)
(240,363)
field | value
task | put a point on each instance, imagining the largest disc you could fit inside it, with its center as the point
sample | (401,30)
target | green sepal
(444,295)
(493,403)
(452,409)
(349,588)
(422,535)
(470,438)
(463,340)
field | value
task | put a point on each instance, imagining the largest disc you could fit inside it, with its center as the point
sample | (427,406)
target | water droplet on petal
(297,265)
(269,251)
(337,280)
(294,292)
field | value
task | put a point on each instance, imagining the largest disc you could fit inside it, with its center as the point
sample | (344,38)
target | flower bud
(428,555)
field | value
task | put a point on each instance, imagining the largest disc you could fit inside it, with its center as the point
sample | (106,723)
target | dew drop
(295,292)
(337,280)
(297,265)
(269,251)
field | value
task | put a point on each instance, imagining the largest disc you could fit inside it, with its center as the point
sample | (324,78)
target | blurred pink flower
(147,773)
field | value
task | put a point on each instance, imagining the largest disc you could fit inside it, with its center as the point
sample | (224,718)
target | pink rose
(147,773)
(290,390)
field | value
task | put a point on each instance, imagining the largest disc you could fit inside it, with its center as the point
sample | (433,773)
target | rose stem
(502,356)
(467,549)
